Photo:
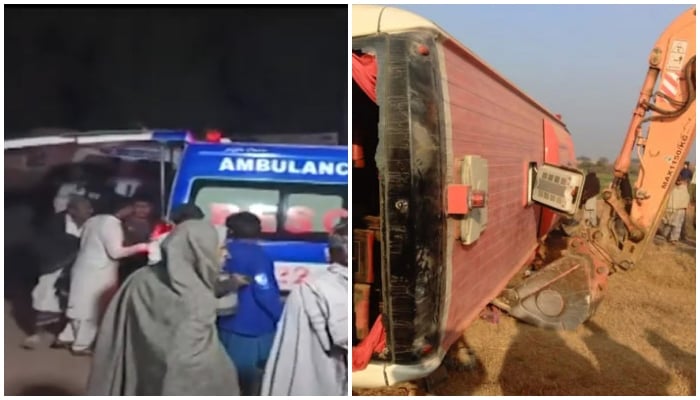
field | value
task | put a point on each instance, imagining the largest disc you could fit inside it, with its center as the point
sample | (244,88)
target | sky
(586,62)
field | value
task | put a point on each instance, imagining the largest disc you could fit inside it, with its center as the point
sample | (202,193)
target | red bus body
(492,118)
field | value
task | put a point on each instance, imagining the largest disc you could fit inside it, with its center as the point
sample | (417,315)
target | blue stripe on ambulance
(296,251)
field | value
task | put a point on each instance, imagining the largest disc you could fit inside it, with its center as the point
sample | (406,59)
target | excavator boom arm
(662,129)
(672,54)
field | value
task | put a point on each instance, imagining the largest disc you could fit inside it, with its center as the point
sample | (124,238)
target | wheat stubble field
(640,342)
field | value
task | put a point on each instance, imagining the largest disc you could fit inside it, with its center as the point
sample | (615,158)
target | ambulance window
(319,210)
(261,202)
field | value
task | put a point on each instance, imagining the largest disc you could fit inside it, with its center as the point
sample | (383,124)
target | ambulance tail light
(161,229)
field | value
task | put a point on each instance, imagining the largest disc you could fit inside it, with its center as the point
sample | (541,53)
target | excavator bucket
(562,295)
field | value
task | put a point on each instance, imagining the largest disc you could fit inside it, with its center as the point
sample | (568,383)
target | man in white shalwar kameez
(309,356)
(674,219)
(94,276)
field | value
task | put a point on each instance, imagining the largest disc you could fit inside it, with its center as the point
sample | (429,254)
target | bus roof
(368,20)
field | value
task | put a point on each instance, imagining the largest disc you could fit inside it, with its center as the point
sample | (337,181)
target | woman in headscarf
(183,213)
(159,335)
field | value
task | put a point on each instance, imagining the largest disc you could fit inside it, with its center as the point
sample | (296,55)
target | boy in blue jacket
(248,334)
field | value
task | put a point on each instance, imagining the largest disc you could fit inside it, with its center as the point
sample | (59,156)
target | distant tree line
(602,165)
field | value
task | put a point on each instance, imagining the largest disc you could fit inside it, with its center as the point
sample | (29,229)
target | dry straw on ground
(640,342)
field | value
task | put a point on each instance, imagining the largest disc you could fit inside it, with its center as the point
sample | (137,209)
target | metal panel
(475,174)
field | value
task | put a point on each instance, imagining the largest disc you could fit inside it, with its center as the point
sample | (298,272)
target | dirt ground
(640,342)
(43,371)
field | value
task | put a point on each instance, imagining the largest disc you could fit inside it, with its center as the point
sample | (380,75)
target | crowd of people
(196,311)
(679,209)
(81,250)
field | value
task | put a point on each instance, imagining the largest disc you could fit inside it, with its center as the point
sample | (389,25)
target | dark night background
(239,69)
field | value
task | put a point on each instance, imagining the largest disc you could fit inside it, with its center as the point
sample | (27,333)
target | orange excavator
(566,291)
(467,194)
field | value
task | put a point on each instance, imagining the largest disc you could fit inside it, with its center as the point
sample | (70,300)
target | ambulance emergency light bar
(215,136)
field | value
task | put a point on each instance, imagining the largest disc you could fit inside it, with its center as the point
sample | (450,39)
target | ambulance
(299,192)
